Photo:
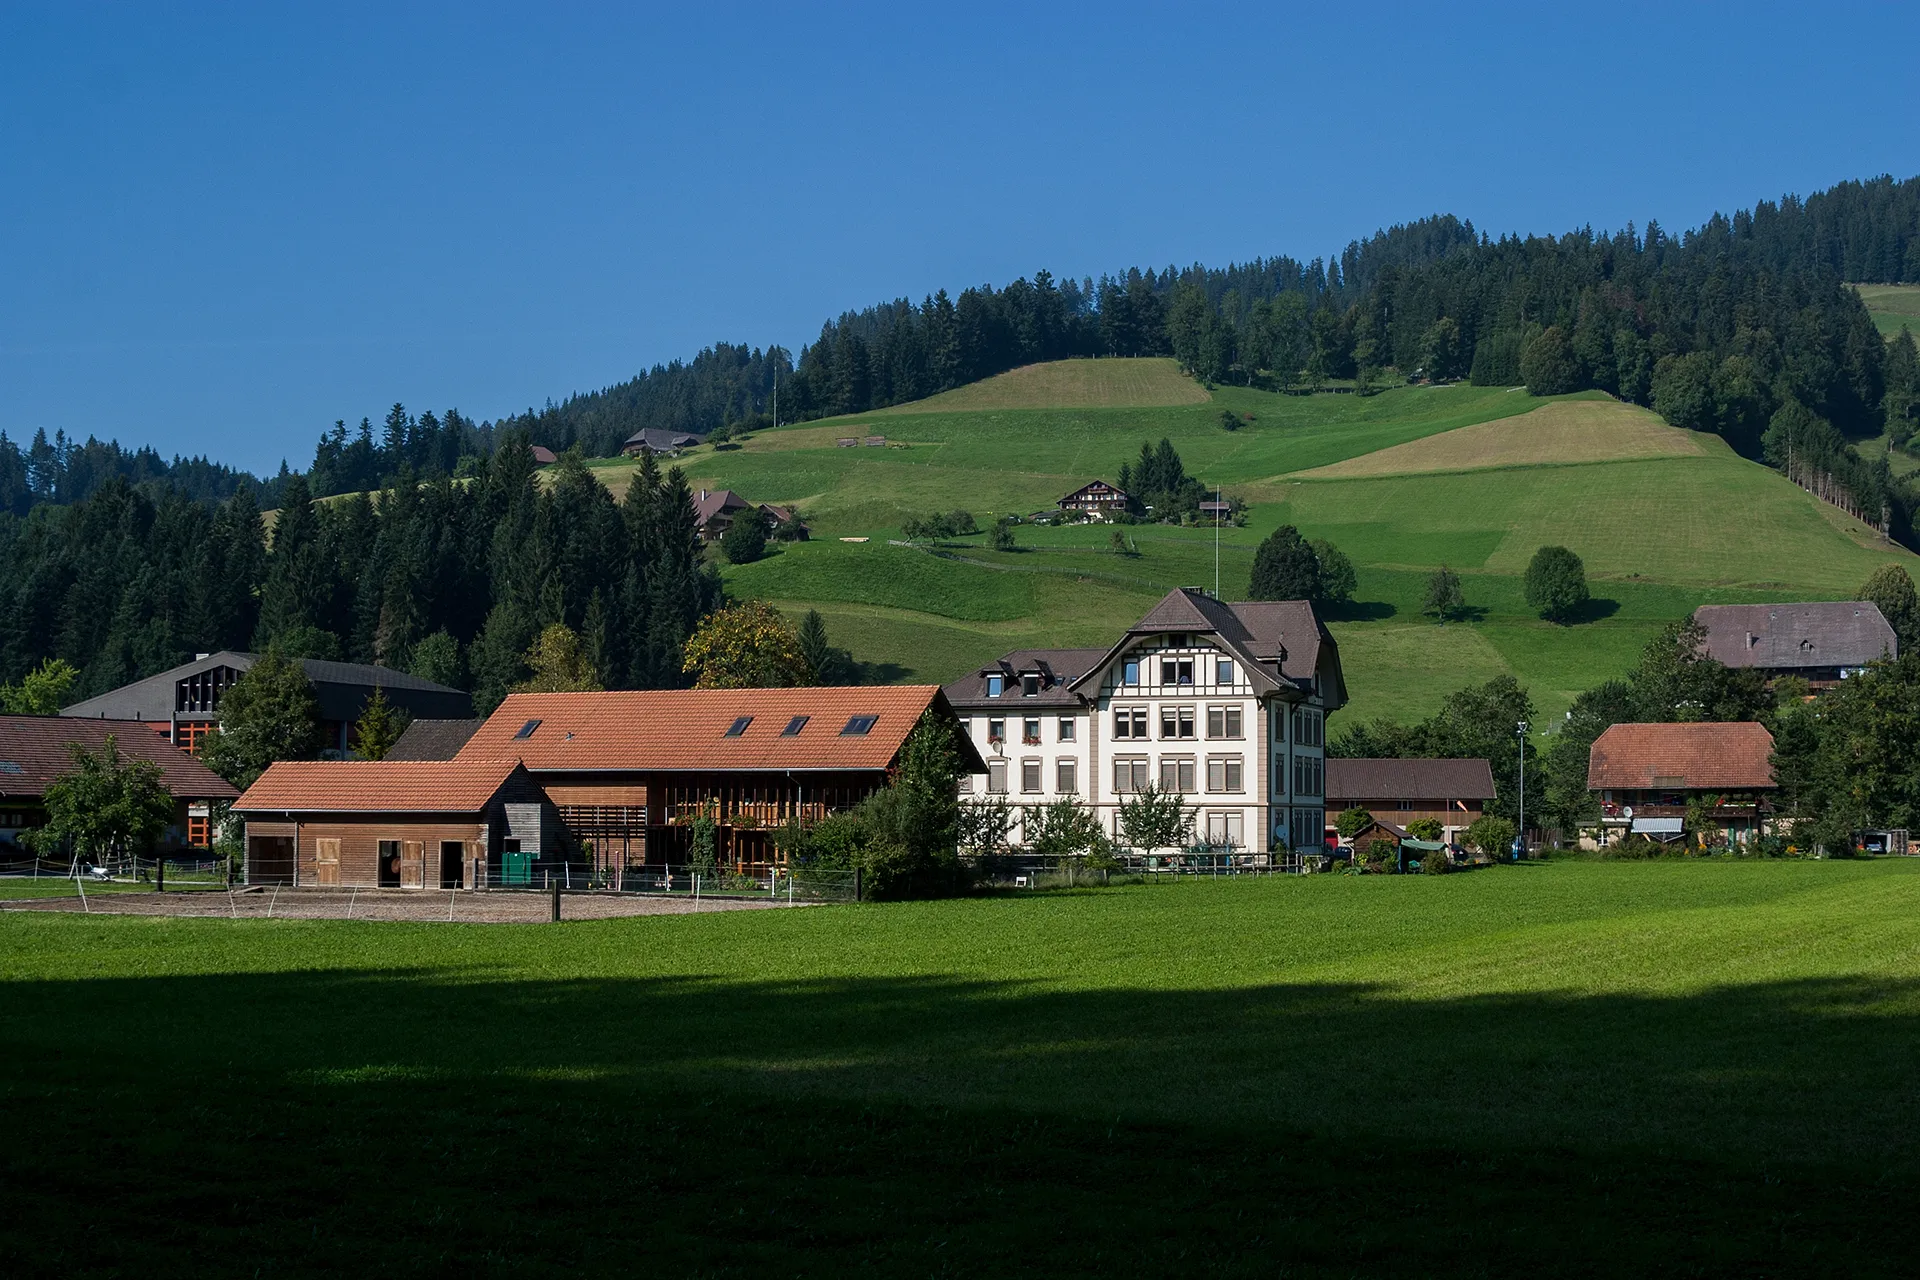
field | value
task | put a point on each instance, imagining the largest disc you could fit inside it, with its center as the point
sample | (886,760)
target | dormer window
(996,685)
(1029,686)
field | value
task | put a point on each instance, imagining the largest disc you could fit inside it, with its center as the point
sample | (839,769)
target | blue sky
(223,228)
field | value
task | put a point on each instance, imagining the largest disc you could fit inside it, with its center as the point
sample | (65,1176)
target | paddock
(283,902)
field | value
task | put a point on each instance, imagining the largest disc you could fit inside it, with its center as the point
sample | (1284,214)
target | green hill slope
(1679,522)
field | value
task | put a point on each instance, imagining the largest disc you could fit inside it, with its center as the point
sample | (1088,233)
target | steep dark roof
(659,438)
(1781,637)
(432,739)
(34,750)
(1058,668)
(1352,779)
(1274,639)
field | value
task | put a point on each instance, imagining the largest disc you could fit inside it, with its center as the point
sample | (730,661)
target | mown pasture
(1575,1068)
(1471,477)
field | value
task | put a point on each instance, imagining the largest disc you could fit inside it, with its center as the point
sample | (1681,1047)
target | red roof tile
(668,729)
(367,786)
(1699,756)
(34,750)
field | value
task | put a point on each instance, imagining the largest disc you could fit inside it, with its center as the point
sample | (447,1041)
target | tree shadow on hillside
(938,1123)
(1593,609)
(1356,611)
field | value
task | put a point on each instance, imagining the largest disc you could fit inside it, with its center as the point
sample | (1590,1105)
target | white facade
(1182,710)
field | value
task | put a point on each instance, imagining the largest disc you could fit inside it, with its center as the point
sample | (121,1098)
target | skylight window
(859,726)
(526,730)
(794,726)
(739,726)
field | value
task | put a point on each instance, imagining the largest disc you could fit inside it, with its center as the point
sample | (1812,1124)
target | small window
(996,731)
(739,726)
(1029,776)
(1176,775)
(1066,729)
(1066,777)
(859,726)
(1223,671)
(1176,671)
(526,730)
(1030,732)
(795,725)
(996,777)
(1029,686)
(1130,672)
(996,685)
(1176,722)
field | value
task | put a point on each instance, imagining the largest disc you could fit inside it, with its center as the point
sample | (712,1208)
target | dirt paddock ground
(418,905)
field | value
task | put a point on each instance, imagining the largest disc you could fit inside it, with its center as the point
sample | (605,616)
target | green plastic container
(516,868)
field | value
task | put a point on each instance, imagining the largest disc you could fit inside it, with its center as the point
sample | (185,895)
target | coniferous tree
(1285,568)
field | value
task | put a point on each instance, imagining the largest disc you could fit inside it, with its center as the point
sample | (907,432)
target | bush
(1549,364)
(1379,855)
(1002,537)
(1426,829)
(1434,862)
(938,526)
(1491,835)
(746,538)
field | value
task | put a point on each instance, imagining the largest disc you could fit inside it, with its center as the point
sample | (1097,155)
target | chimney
(1752,639)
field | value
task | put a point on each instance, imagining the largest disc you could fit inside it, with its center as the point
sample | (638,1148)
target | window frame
(997,768)
(1181,717)
(1066,776)
(1031,767)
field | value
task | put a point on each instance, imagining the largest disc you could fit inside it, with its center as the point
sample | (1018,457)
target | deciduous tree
(268,714)
(747,646)
(1556,584)
(107,806)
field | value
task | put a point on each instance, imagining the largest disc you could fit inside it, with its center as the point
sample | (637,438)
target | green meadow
(1578,1068)
(1659,535)
(1893,306)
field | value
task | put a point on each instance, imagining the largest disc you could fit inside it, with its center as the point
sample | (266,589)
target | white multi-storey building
(1224,703)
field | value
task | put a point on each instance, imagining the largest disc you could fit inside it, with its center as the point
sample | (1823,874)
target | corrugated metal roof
(1682,757)
(377,786)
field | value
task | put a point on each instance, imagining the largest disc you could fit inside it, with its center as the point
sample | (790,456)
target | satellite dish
(1627,813)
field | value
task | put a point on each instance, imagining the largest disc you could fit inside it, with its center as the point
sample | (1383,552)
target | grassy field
(1557,433)
(1093,384)
(1569,1068)
(1475,478)
(1893,306)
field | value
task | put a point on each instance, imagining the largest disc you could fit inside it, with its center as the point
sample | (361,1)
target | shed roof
(653,730)
(1683,757)
(377,786)
(432,739)
(1776,637)
(35,750)
(1377,779)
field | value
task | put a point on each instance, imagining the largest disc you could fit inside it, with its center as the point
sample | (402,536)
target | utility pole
(1216,542)
(1520,835)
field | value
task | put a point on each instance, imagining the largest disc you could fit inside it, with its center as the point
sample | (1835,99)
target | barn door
(326,861)
(411,856)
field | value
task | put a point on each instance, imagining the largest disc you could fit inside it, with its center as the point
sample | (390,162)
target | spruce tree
(379,726)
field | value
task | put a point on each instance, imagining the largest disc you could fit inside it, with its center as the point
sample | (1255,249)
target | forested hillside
(62,470)
(451,580)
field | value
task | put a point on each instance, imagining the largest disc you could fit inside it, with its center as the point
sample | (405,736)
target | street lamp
(1520,835)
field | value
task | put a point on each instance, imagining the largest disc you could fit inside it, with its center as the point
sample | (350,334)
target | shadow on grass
(1356,611)
(449,1120)
(1594,609)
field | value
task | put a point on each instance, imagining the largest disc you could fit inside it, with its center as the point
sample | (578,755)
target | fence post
(556,896)
(159,875)
(856,884)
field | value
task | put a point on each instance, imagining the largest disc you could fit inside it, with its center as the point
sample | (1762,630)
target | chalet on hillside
(543,456)
(36,750)
(599,783)
(658,440)
(183,705)
(1823,642)
(1099,498)
(1645,775)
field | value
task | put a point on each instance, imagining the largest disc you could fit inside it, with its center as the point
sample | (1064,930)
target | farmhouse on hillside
(596,784)
(1225,704)
(1453,793)
(543,456)
(183,705)
(714,511)
(1823,642)
(1646,776)
(1098,498)
(659,441)
(36,750)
